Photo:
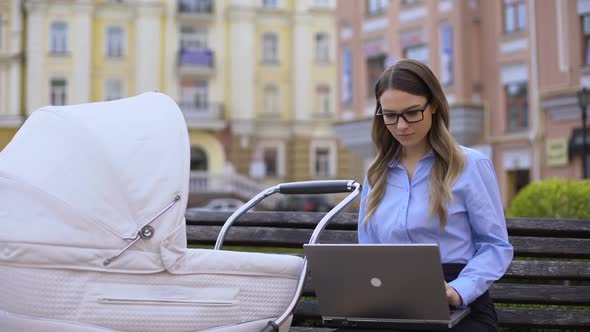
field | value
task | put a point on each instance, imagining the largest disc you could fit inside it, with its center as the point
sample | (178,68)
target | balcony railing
(195,61)
(208,116)
(203,182)
(195,6)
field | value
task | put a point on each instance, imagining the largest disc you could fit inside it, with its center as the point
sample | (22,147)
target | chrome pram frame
(296,188)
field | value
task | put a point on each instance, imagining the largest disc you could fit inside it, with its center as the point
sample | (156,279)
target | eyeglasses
(413,116)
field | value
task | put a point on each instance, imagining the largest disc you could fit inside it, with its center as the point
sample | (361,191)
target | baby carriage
(93,237)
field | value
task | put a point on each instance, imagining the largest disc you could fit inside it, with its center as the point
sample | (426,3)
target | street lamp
(583,98)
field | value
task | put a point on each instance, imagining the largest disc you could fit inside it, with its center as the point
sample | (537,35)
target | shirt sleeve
(488,226)
(364,230)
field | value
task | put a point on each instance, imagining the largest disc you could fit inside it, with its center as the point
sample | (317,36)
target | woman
(424,188)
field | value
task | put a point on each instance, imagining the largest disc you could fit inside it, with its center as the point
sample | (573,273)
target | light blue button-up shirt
(475,233)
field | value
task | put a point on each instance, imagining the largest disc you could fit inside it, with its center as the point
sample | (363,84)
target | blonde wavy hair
(417,79)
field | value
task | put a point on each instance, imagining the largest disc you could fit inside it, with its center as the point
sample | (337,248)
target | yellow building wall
(211,145)
(57,66)
(6,134)
(104,68)
(281,73)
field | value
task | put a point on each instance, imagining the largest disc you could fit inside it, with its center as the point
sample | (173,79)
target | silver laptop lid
(381,281)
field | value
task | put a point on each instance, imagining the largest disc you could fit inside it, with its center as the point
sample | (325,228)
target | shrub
(553,198)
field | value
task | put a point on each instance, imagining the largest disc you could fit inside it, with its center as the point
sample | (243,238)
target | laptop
(381,286)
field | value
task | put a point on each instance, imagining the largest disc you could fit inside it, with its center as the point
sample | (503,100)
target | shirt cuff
(465,288)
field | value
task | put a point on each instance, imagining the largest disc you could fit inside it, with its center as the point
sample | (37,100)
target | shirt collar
(395,163)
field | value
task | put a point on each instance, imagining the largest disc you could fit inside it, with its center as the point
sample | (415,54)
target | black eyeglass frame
(380,113)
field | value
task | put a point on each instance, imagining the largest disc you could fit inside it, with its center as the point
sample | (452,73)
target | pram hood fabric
(77,182)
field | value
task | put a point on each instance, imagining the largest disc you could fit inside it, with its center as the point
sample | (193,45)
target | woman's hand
(452,296)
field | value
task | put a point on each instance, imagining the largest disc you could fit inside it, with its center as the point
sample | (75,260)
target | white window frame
(110,89)
(1,31)
(58,38)
(272,99)
(63,91)
(195,97)
(323,4)
(280,148)
(271,4)
(322,47)
(196,38)
(332,148)
(418,52)
(322,98)
(110,51)
(377,6)
(270,47)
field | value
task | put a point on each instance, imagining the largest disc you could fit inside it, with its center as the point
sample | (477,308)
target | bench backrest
(551,265)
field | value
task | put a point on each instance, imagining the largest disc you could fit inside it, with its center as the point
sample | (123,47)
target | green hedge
(553,198)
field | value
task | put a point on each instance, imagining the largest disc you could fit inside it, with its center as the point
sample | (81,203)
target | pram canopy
(78,184)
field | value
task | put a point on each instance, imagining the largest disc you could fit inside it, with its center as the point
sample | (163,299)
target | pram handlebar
(297,188)
(316,187)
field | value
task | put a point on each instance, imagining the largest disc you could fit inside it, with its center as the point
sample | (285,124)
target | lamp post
(583,98)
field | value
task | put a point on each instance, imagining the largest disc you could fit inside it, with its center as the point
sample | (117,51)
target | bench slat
(295,238)
(551,247)
(549,270)
(348,221)
(532,317)
(540,294)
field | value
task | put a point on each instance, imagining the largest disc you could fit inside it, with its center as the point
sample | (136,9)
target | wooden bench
(547,285)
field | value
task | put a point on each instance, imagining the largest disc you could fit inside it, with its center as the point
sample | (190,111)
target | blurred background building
(510,70)
(282,90)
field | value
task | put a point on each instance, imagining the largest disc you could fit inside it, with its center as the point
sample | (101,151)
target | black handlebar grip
(316,187)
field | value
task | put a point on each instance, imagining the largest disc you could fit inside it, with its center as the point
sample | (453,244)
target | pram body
(93,237)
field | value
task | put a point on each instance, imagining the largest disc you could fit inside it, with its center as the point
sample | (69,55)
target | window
(59,38)
(517,105)
(323,4)
(323,99)
(346,76)
(446,54)
(1,31)
(322,162)
(58,92)
(270,155)
(113,89)
(270,48)
(586,41)
(198,159)
(375,67)
(194,95)
(323,159)
(195,6)
(515,15)
(115,41)
(270,4)
(410,2)
(375,7)
(271,99)
(322,47)
(193,38)
(417,52)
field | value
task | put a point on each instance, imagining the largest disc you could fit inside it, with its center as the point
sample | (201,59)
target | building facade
(509,68)
(255,79)
(11,60)
(281,87)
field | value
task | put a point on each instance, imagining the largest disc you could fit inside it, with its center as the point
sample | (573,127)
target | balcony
(467,123)
(227,183)
(195,62)
(195,10)
(203,117)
